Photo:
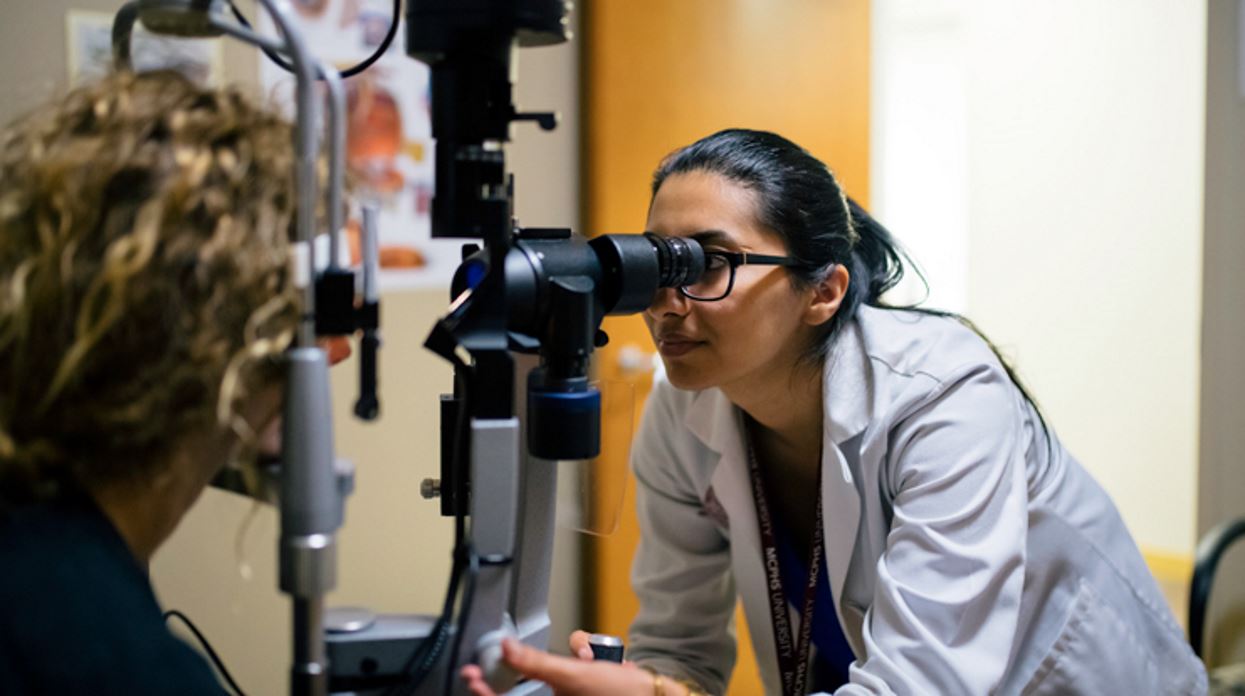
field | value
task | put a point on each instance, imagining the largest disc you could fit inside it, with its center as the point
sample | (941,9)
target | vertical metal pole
(311,506)
(538,495)
(494,517)
(337,156)
(305,148)
(311,513)
(309,674)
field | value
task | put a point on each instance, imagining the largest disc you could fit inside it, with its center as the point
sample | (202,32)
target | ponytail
(877,263)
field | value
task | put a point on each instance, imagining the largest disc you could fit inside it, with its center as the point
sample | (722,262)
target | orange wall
(658,74)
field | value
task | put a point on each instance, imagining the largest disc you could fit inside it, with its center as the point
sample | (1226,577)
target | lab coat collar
(847,397)
(846,391)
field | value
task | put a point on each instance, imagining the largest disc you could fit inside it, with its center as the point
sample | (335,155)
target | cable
(424,658)
(475,561)
(216,661)
(464,612)
(349,72)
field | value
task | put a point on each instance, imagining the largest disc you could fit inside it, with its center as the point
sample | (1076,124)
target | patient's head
(144,294)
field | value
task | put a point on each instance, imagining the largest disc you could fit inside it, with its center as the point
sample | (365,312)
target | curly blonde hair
(144,292)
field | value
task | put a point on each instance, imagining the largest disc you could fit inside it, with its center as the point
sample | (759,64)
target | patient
(144,304)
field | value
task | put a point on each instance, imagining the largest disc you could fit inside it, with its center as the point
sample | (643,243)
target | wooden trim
(1169,567)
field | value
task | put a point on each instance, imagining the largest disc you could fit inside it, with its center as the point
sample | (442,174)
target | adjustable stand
(512,524)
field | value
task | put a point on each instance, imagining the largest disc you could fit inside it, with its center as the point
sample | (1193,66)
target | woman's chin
(684,377)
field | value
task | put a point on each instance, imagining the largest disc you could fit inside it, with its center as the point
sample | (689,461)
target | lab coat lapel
(847,398)
(719,425)
(841,515)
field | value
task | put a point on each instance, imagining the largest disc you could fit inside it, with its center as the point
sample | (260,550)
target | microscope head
(469,48)
(183,18)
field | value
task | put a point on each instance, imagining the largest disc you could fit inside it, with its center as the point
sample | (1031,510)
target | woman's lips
(675,347)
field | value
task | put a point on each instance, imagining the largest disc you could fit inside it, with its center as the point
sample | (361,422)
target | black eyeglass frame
(737,259)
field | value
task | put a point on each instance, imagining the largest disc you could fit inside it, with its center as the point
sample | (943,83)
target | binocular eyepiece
(635,266)
(558,288)
(680,261)
(621,273)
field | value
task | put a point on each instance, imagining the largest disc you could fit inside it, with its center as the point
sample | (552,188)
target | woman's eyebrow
(717,237)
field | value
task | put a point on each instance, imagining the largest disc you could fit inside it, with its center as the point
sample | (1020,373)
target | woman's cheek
(270,438)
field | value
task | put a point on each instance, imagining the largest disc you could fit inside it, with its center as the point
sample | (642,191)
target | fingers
(561,673)
(532,663)
(569,676)
(475,681)
(579,645)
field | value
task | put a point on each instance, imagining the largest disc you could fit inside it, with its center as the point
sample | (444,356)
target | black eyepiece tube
(680,261)
(635,266)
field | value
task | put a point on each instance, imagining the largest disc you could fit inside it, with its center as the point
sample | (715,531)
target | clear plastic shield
(590,491)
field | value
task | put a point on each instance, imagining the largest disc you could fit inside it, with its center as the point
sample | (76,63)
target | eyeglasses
(719,276)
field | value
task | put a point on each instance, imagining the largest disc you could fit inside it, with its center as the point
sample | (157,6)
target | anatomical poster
(389,145)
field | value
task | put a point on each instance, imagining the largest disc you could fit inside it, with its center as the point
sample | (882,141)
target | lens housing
(635,266)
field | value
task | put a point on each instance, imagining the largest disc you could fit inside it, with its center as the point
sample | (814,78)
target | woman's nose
(667,301)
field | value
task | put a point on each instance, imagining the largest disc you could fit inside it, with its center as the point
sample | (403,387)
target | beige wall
(395,548)
(1221,483)
(32,44)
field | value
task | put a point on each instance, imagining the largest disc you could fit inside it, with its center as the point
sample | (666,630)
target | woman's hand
(567,676)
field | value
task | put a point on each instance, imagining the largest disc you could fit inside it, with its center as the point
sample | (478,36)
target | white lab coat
(963,556)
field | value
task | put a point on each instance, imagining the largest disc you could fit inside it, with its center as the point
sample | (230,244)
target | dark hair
(798,198)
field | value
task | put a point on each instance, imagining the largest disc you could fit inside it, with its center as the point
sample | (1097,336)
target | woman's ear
(827,296)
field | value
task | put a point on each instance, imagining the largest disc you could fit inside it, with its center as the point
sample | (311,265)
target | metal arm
(1209,551)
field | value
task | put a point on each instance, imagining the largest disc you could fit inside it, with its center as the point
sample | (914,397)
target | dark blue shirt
(77,612)
(831,655)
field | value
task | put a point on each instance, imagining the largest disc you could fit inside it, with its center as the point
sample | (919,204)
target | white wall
(917,143)
(1080,173)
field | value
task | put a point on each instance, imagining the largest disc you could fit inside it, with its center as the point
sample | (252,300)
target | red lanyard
(793,654)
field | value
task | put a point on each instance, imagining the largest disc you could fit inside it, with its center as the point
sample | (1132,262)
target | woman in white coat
(955,547)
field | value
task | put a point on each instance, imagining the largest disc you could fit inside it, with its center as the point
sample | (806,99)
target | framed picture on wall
(88,46)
